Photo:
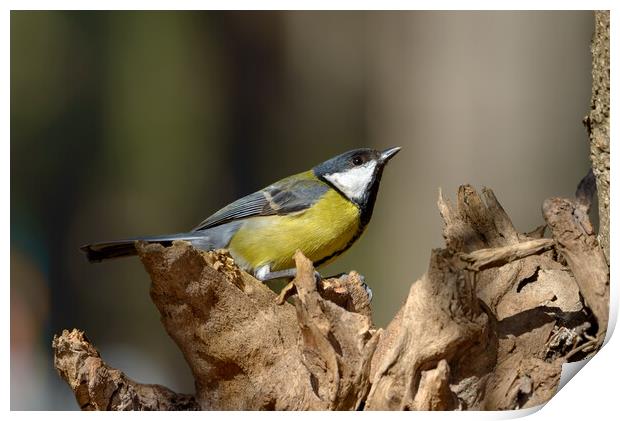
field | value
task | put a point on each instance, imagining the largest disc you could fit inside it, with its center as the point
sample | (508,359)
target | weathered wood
(486,258)
(576,241)
(248,352)
(486,327)
(99,387)
(441,320)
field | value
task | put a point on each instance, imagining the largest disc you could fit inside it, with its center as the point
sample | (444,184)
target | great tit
(321,212)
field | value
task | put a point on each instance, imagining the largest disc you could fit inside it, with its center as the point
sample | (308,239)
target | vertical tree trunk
(597,122)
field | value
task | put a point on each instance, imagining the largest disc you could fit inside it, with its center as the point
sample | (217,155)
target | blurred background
(130,123)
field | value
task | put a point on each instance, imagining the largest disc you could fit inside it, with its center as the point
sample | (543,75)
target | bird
(320,212)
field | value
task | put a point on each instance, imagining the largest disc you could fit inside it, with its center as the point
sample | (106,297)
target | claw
(362,279)
(368,290)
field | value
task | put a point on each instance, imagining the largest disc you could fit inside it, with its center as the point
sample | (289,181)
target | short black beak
(387,154)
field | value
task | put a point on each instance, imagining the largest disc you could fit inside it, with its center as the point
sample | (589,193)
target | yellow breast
(320,232)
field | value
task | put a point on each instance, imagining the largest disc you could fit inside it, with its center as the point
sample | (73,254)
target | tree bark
(597,122)
(488,326)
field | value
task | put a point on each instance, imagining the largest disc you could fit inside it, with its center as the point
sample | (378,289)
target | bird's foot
(263,274)
(362,280)
(368,291)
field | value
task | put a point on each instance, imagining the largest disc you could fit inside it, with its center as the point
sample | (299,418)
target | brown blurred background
(129,123)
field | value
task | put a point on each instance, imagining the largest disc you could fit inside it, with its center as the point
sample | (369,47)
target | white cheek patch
(353,182)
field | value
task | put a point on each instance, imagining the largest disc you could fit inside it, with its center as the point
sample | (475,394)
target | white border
(593,391)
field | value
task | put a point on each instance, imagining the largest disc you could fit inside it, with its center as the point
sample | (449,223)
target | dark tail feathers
(98,252)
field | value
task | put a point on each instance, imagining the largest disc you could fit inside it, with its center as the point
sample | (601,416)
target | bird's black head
(356,174)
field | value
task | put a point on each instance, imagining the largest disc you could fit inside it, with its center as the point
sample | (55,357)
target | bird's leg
(265,274)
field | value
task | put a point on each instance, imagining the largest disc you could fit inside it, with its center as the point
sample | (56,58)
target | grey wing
(250,205)
(281,198)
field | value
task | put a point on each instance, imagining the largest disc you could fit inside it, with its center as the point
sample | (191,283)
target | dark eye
(357,161)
